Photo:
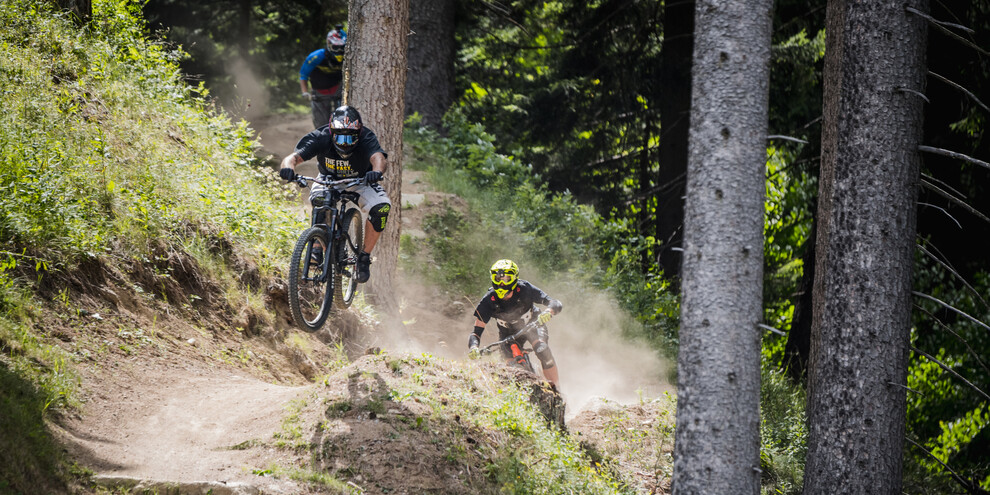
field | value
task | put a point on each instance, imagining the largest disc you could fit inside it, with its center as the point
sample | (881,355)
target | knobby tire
(346,250)
(310,296)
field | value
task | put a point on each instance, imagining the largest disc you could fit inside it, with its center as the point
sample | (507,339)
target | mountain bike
(517,345)
(546,397)
(323,271)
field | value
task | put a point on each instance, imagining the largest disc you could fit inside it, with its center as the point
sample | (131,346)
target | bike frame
(335,199)
(516,343)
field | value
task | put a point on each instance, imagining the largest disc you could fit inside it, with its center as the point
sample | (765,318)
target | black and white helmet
(345,125)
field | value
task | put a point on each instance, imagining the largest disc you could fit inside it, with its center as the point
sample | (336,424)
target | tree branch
(960,88)
(955,200)
(950,371)
(945,327)
(953,154)
(943,185)
(968,485)
(952,271)
(786,138)
(953,308)
(942,26)
(915,92)
(943,210)
(772,329)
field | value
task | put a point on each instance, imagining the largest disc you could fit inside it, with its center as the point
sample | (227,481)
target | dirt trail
(174,415)
(594,361)
(183,422)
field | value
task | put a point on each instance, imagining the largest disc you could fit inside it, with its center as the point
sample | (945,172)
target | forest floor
(181,401)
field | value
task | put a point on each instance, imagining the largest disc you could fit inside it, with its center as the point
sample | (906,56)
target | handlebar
(303,181)
(531,326)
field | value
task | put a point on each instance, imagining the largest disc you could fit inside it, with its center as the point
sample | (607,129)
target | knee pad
(378,216)
(542,351)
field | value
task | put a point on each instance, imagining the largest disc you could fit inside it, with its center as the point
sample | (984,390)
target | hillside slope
(145,335)
(207,400)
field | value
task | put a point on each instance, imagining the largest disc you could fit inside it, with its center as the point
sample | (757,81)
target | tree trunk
(430,83)
(82,8)
(376,72)
(717,442)
(798,345)
(872,126)
(675,107)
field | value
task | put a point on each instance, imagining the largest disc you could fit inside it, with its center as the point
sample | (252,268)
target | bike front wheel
(347,248)
(310,297)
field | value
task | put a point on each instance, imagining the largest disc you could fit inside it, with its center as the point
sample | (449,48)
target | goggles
(497,277)
(344,140)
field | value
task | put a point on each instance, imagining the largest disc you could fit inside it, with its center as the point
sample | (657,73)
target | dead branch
(786,138)
(944,27)
(951,307)
(772,329)
(955,200)
(945,327)
(943,185)
(953,154)
(953,271)
(915,92)
(950,371)
(960,88)
(943,210)
(968,485)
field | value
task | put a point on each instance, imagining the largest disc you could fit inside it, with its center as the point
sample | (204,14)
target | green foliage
(783,432)
(106,146)
(947,418)
(247,53)
(790,194)
(512,215)
(104,152)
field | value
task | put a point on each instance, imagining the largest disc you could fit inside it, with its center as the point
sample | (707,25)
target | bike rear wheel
(310,296)
(347,248)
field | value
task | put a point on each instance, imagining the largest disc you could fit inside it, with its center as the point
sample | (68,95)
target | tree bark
(430,82)
(798,346)
(675,109)
(872,126)
(717,439)
(376,81)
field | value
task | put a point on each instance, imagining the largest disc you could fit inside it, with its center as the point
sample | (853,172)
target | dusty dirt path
(174,416)
(186,422)
(594,361)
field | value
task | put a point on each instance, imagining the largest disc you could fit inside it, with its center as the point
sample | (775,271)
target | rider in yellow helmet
(512,302)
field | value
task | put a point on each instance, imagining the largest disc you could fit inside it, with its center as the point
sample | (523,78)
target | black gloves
(473,351)
(373,176)
(287,173)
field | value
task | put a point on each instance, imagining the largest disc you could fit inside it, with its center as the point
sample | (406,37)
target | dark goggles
(344,140)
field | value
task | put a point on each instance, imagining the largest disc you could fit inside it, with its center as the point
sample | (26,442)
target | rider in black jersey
(512,302)
(344,148)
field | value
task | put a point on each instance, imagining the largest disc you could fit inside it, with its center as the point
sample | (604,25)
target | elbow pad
(555,306)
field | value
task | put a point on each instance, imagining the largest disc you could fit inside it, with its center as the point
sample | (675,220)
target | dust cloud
(595,359)
(594,356)
(251,96)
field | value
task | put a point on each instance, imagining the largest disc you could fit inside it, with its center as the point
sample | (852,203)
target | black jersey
(319,143)
(514,313)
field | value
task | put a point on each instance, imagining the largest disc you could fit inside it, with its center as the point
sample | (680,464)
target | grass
(108,158)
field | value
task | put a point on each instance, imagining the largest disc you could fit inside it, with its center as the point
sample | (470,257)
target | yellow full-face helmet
(505,277)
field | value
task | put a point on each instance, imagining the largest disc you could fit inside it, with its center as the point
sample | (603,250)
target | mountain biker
(344,148)
(324,71)
(512,302)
